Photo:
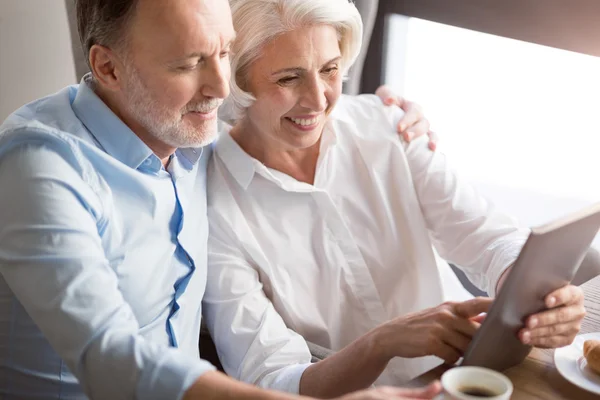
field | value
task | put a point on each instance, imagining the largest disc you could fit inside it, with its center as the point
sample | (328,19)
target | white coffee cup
(462,383)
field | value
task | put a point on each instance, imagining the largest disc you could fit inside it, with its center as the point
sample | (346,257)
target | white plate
(571,364)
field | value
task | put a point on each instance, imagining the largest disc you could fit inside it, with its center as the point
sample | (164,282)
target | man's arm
(52,259)
(216,386)
(413,123)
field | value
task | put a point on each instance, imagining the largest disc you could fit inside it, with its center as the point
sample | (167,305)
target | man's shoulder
(46,129)
(49,118)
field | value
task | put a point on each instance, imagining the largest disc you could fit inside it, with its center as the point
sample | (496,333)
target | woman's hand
(393,393)
(557,326)
(413,124)
(444,331)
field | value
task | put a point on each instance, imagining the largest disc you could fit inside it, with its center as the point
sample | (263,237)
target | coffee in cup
(471,383)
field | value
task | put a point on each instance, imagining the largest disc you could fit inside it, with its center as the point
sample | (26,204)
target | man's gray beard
(164,125)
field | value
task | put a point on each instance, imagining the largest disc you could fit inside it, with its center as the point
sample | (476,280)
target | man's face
(177,69)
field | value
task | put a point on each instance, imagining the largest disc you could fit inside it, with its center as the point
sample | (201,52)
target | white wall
(35,51)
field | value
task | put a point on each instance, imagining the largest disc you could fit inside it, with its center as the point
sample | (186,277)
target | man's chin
(200,140)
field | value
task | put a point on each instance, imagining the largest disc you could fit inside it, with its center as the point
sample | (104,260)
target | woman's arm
(253,342)
(465,227)
(468,231)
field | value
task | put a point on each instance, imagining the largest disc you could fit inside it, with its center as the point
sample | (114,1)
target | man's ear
(106,67)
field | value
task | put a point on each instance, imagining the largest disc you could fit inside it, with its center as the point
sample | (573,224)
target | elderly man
(103,220)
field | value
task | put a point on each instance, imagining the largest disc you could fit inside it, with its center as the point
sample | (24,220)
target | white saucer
(572,365)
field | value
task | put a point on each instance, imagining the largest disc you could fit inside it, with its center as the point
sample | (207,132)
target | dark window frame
(572,25)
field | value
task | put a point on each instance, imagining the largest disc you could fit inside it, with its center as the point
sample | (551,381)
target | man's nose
(217,82)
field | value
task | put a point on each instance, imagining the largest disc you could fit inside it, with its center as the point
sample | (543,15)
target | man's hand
(393,393)
(558,326)
(444,331)
(413,124)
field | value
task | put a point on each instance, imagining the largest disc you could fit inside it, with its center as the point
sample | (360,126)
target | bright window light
(513,117)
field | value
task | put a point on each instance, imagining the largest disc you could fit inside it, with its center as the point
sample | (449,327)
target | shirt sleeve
(52,259)
(252,340)
(466,229)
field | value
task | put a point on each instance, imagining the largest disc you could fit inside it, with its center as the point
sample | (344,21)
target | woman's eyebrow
(287,70)
(338,58)
(299,69)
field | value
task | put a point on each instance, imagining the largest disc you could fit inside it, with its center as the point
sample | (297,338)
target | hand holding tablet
(548,262)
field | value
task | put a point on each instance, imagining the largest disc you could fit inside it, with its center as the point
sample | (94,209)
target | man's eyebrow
(230,41)
(203,55)
(298,69)
(191,55)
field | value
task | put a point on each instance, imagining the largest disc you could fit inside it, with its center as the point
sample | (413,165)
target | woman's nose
(314,96)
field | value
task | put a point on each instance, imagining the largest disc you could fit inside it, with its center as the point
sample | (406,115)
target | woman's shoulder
(367,115)
(364,106)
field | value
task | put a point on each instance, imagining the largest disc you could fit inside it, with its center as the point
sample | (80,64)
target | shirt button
(148,161)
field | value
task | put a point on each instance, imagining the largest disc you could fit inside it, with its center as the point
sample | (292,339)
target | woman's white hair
(257,22)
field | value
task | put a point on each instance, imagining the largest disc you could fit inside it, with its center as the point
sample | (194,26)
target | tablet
(549,260)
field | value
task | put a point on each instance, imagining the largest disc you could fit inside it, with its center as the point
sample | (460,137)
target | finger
(529,336)
(465,326)
(387,95)
(415,131)
(480,318)
(566,295)
(556,316)
(457,341)
(428,392)
(433,139)
(473,307)
(446,352)
(553,342)
(412,115)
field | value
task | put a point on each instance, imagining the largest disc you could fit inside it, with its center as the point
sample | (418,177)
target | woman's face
(296,82)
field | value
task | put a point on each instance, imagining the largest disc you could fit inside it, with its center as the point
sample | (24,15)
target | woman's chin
(304,140)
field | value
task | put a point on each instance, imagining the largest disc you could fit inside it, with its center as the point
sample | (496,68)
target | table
(537,377)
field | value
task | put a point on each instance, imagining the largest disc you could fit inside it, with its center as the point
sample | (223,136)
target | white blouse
(333,260)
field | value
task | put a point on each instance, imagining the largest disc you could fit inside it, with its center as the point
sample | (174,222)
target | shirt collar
(237,161)
(111,132)
(192,155)
(243,167)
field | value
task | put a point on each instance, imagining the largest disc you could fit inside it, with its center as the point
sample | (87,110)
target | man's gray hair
(103,22)
(257,22)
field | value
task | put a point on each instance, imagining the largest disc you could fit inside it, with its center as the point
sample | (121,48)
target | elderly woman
(326,226)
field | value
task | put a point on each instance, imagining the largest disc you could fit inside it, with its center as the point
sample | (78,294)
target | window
(519,120)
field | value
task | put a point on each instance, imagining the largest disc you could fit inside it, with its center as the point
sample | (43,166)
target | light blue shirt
(102,256)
